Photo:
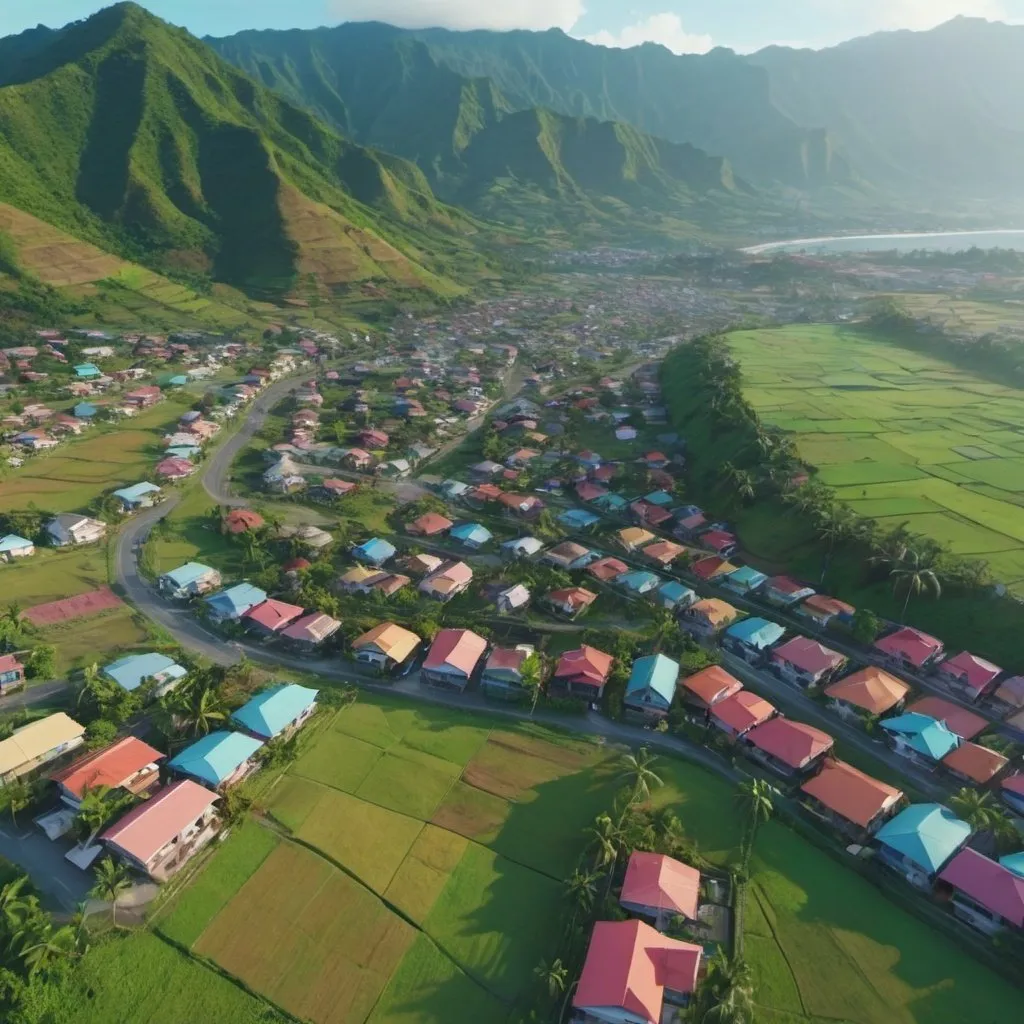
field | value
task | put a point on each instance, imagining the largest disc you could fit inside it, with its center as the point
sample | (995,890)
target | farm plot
(902,437)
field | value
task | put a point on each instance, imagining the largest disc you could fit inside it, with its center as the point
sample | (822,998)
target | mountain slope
(937,110)
(136,136)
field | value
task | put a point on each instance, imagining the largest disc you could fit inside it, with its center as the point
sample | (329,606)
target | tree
(755,798)
(554,975)
(637,770)
(97,807)
(49,946)
(977,809)
(200,710)
(917,573)
(605,838)
(530,673)
(581,889)
(725,995)
(42,662)
(15,903)
(19,796)
(111,882)
(865,627)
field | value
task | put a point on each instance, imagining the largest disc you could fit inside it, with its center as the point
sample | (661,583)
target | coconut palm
(605,842)
(49,947)
(97,807)
(638,772)
(917,573)
(978,810)
(755,798)
(16,904)
(111,882)
(581,889)
(725,995)
(200,711)
(19,796)
(554,974)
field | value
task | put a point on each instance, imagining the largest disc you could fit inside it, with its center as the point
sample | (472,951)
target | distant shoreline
(756,250)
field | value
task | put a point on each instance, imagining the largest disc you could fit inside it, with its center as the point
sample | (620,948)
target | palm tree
(111,881)
(581,889)
(19,796)
(96,808)
(638,772)
(605,843)
(15,903)
(47,947)
(554,975)
(13,613)
(755,797)
(977,809)
(725,996)
(917,573)
(200,711)
(93,688)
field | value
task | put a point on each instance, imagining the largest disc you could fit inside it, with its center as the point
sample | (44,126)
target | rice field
(900,436)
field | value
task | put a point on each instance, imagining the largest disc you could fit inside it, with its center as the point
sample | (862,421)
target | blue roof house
(374,552)
(12,546)
(87,371)
(660,498)
(471,535)
(578,519)
(134,670)
(231,604)
(920,840)
(189,580)
(143,495)
(85,410)
(184,451)
(652,686)
(744,580)
(218,760)
(611,502)
(276,712)
(638,582)
(752,638)
(673,595)
(920,738)
(1013,862)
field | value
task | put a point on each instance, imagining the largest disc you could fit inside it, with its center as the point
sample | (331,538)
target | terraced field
(901,437)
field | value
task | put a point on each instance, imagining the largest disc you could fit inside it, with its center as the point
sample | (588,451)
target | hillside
(134,135)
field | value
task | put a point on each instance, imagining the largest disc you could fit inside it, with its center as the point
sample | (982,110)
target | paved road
(33,695)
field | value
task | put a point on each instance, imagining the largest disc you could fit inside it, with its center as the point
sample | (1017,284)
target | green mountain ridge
(135,135)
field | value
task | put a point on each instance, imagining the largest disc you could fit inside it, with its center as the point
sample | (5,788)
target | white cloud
(665,28)
(500,15)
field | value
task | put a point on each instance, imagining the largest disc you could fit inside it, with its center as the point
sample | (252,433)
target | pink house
(986,895)
(972,677)
(174,469)
(909,648)
(805,663)
(659,888)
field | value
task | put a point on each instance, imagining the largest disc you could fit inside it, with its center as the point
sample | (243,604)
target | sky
(684,26)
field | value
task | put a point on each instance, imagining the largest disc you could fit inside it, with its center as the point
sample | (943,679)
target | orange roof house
(870,690)
(975,763)
(385,644)
(629,969)
(663,552)
(242,520)
(709,616)
(127,764)
(453,658)
(607,569)
(583,672)
(428,525)
(571,601)
(964,723)
(852,800)
(709,686)
(659,887)
(738,714)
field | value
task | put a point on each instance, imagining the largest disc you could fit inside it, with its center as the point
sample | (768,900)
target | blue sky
(682,25)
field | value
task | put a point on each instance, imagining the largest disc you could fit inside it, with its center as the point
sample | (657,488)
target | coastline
(763,247)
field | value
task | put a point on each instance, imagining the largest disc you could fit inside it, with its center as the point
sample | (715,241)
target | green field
(901,437)
(357,911)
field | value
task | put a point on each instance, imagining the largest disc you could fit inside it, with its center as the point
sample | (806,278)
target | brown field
(510,765)
(424,872)
(472,813)
(309,938)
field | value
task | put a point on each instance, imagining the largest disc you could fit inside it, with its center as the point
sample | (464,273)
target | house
(638,582)
(231,604)
(69,528)
(471,535)
(38,743)
(521,458)
(587,491)
(422,564)
(752,638)
(1009,697)
(332,489)
(127,764)
(174,468)
(690,524)
(360,579)
(709,686)
(723,543)
(88,371)
(968,675)
(311,630)
(449,581)
(503,673)
(854,803)
(387,646)
(512,600)
(920,841)
(787,747)
(607,569)
(279,711)
(453,658)
(528,506)
(613,503)
(868,693)
(429,525)
(161,834)
(985,894)
(486,470)
(270,617)
(578,519)
(822,610)
(909,649)
(673,596)
(708,617)
(12,673)
(1014,862)
(785,592)
(485,493)
(583,673)
(663,552)
(738,714)
(284,477)
(373,439)
(395,469)
(374,552)
(631,972)
(522,547)
(569,555)
(806,663)
(625,433)
(634,537)
(658,889)
(920,739)
(13,547)
(972,763)
(744,580)
(142,495)
(1011,792)
(192,579)
(219,760)
(134,670)
(143,398)
(643,512)
(357,459)
(652,686)
(966,724)
(571,601)
(242,520)
(711,568)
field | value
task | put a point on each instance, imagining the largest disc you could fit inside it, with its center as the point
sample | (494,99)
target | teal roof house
(652,685)
(923,740)
(134,670)
(276,712)
(920,840)
(189,580)
(143,495)
(219,760)
(744,580)
(752,638)
(231,604)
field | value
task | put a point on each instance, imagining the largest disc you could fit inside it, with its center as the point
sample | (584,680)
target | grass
(187,533)
(54,573)
(424,873)
(94,639)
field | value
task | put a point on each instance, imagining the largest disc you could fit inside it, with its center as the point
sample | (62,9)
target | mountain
(936,110)
(379,84)
(131,134)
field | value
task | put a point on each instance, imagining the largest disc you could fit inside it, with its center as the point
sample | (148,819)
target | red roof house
(709,686)
(630,970)
(174,468)
(272,616)
(583,672)
(720,542)
(788,747)
(242,520)
(853,802)
(805,662)
(909,648)
(968,674)
(738,714)
(428,525)
(453,658)
(127,764)
(986,895)
(659,887)
(607,569)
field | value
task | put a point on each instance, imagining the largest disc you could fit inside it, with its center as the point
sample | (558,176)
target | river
(949,241)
